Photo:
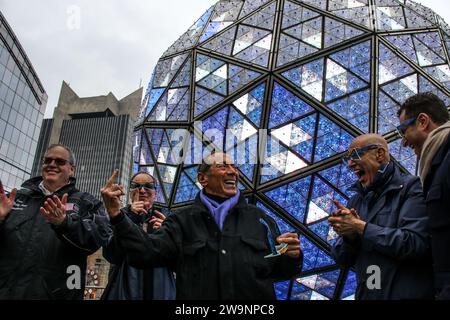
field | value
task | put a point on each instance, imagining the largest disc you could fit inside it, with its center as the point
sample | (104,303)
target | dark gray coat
(395,239)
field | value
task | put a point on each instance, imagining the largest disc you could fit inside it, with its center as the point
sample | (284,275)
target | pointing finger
(112,179)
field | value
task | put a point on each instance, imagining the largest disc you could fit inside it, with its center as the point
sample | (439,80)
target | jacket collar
(200,206)
(33,186)
(394,183)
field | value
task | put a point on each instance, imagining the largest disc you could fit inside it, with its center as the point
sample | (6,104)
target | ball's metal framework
(316,74)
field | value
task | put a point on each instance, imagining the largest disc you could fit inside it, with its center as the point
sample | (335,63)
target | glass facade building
(22,106)
(313,74)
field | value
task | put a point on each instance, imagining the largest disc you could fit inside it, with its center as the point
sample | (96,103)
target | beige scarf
(431,146)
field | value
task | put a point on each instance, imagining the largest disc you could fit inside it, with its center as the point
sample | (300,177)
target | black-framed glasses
(356,153)
(137,186)
(401,128)
(58,161)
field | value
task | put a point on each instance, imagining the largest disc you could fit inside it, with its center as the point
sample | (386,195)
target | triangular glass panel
(173,106)
(258,53)
(153,98)
(348,292)
(354,109)
(214,126)
(145,158)
(321,285)
(391,66)
(279,161)
(281,290)
(205,100)
(404,43)
(291,49)
(356,59)
(286,106)
(402,89)
(263,19)
(337,32)
(308,77)
(309,32)
(426,86)
(251,104)
(225,14)
(356,11)
(440,73)
(340,82)
(387,113)
(320,207)
(299,136)
(187,187)
(166,69)
(390,18)
(313,256)
(404,155)
(251,6)
(294,14)
(423,48)
(183,79)
(247,36)
(414,20)
(331,139)
(167,174)
(341,177)
(239,127)
(216,81)
(245,156)
(292,197)
(239,77)
(190,38)
(222,43)
(429,48)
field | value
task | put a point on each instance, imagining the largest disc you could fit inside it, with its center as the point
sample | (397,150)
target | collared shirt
(44,189)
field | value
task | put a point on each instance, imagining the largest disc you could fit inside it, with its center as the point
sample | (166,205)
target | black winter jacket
(35,256)
(210,263)
(437,196)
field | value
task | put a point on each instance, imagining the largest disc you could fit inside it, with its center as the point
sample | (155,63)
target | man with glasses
(221,247)
(425,127)
(383,229)
(124,281)
(47,230)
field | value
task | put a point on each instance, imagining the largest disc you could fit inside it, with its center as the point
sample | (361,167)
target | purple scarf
(219,211)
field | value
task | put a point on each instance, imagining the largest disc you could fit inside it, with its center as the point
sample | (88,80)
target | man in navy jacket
(383,229)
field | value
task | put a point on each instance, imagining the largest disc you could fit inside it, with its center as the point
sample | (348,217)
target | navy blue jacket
(437,194)
(395,239)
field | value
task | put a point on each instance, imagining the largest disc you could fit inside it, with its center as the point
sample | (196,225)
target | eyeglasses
(356,153)
(58,161)
(401,128)
(138,186)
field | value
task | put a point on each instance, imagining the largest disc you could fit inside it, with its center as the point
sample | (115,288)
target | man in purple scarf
(221,247)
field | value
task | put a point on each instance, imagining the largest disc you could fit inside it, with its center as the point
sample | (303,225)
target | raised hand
(138,207)
(6,203)
(293,248)
(111,194)
(157,220)
(346,222)
(54,209)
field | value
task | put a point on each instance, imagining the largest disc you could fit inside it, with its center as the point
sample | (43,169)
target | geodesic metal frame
(315,74)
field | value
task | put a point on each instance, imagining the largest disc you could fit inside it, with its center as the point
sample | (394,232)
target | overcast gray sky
(116,43)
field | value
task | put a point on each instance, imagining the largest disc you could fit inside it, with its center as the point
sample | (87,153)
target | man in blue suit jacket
(383,230)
